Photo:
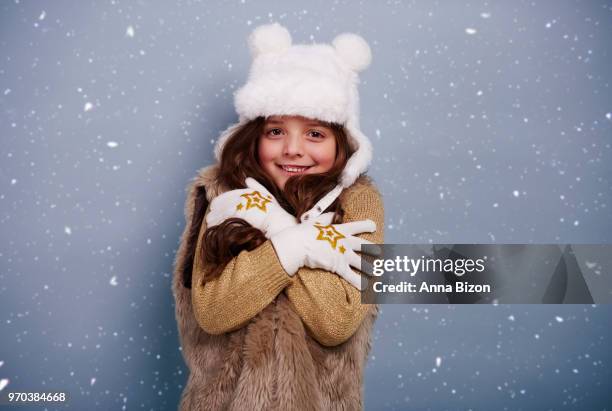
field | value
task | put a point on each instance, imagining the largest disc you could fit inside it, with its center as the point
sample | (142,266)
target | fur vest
(271,363)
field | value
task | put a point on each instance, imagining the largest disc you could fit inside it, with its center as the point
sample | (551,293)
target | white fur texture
(269,38)
(304,80)
(353,50)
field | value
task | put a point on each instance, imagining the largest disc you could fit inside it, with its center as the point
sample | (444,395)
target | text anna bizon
(424,287)
(413,266)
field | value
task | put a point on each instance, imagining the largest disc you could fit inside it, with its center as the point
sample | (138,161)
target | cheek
(267,152)
(325,155)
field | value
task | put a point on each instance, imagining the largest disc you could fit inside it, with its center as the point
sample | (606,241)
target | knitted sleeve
(247,285)
(328,305)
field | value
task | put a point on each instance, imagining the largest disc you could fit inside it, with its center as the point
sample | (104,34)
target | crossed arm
(329,306)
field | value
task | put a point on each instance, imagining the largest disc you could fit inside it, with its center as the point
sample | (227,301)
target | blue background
(492,123)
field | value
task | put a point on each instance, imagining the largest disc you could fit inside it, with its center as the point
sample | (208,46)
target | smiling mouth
(293,169)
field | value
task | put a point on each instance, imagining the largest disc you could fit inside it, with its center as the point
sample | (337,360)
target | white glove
(255,205)
(320,244)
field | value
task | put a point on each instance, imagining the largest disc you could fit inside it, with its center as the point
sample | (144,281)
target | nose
(294,146)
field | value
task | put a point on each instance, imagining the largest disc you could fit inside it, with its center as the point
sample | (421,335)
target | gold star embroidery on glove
(330,234)
(239,207)
(255,199)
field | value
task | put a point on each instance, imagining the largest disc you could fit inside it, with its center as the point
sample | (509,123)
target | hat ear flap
(269,38)
(353,50)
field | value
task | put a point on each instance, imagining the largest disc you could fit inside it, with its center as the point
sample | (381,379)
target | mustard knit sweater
(329,306)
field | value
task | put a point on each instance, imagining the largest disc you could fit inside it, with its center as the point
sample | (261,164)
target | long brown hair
(239,160)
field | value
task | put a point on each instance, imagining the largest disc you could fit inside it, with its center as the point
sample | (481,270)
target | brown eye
(275,132)
(316,134)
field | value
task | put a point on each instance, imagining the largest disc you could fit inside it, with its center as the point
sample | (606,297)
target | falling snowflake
(113,280)
(88,106)
(470,30)
(129,31)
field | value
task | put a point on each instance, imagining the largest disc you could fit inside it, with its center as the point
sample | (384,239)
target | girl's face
(293,145)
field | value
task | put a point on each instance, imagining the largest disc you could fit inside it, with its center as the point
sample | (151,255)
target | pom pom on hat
(269,38)
(353,50)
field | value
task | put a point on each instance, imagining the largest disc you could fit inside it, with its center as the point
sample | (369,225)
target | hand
(320,244)
(253,204)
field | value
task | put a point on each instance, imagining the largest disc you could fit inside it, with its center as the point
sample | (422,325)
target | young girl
(267,298)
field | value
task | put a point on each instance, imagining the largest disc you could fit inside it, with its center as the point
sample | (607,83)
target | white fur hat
(316,81)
